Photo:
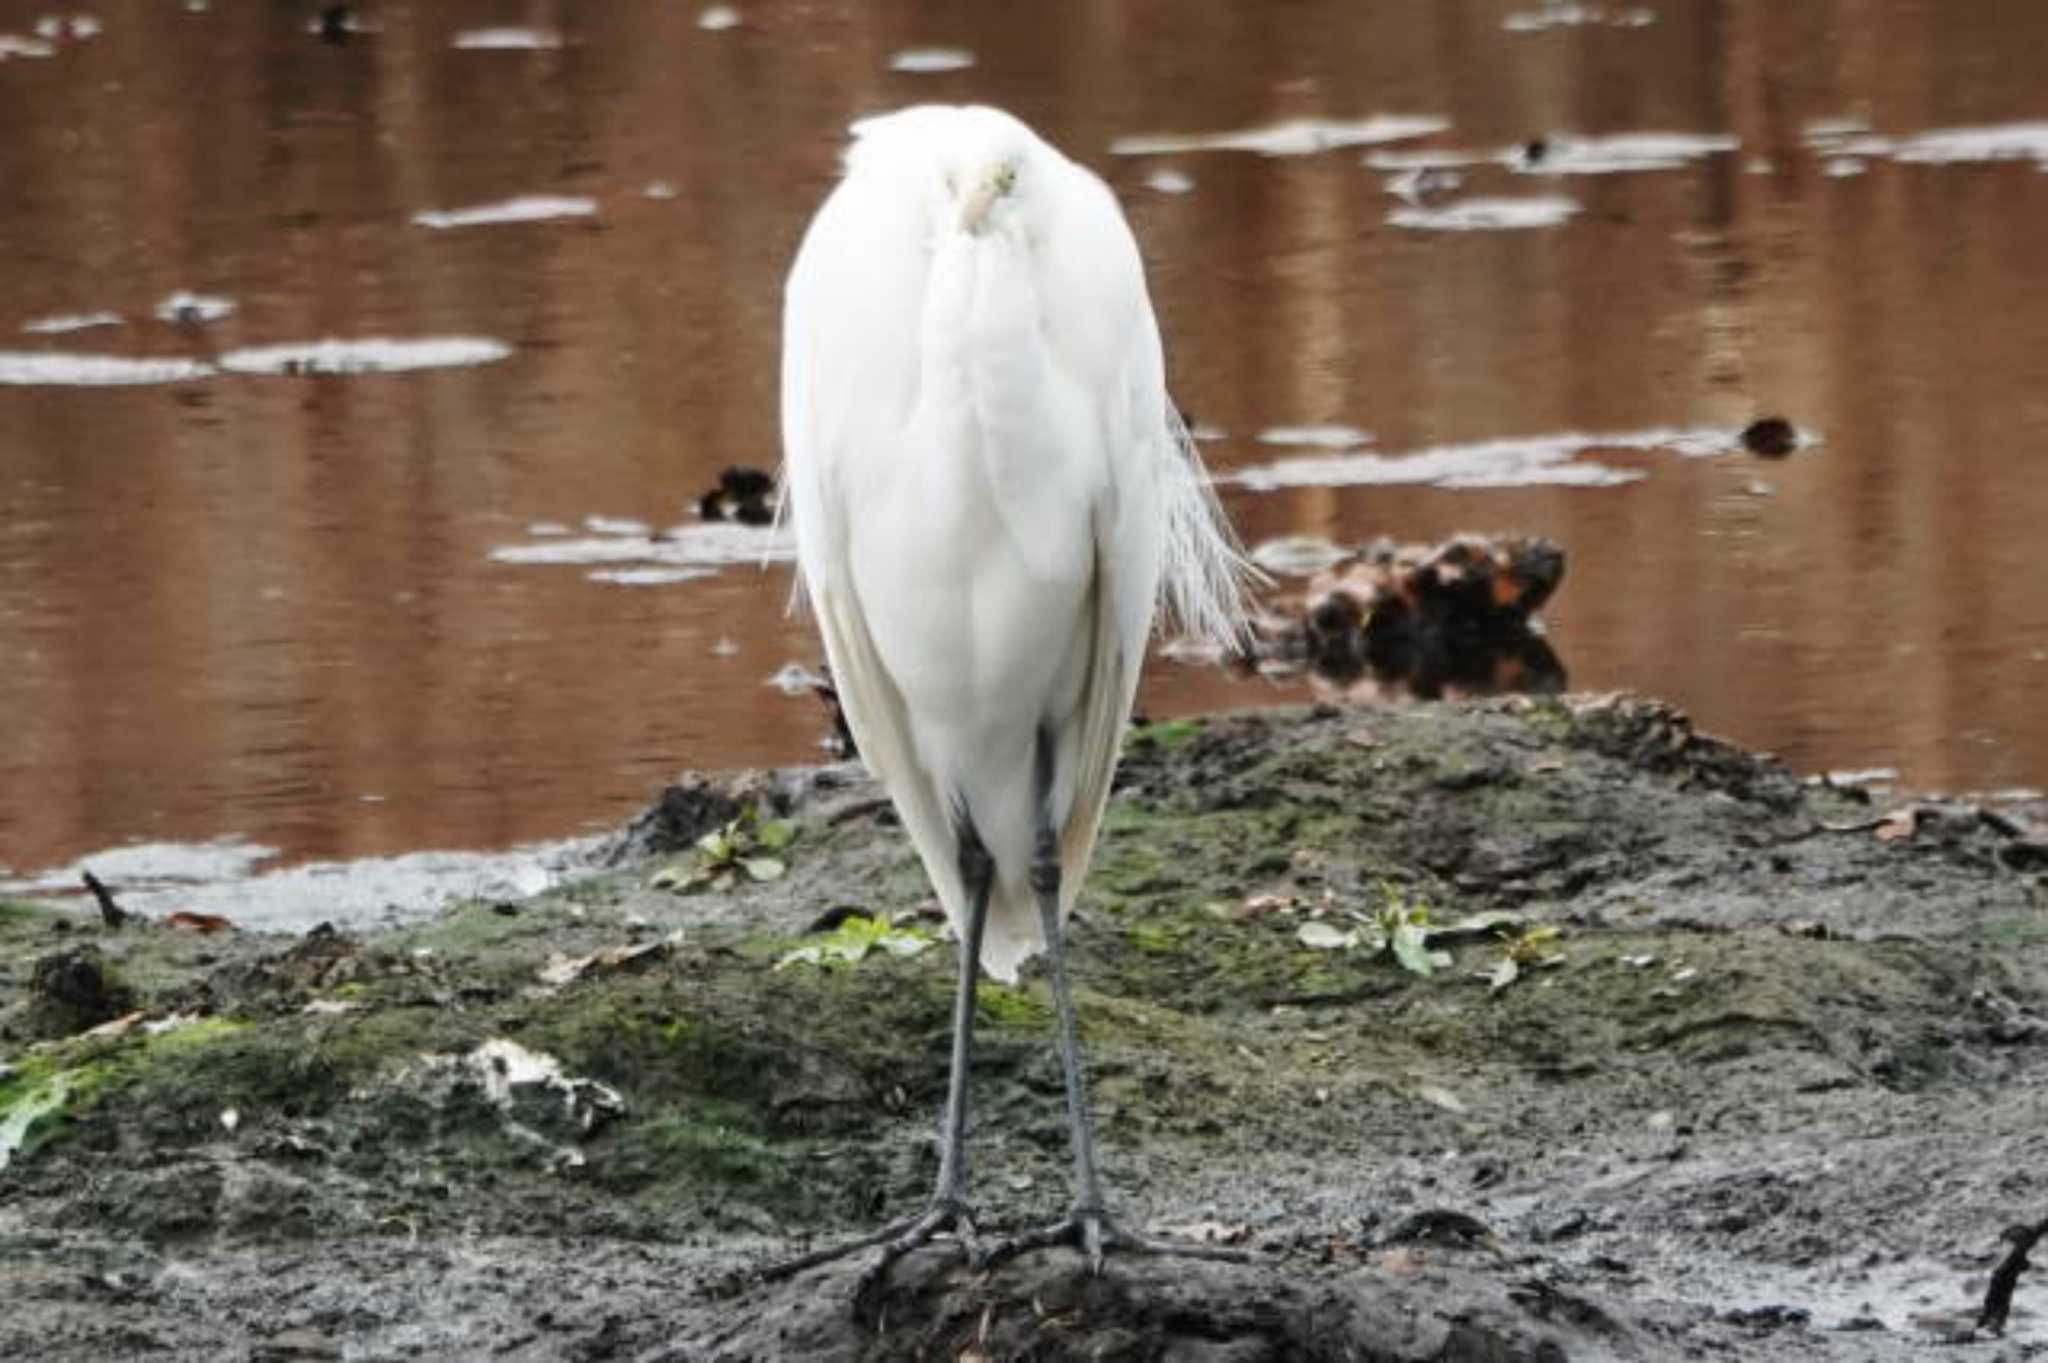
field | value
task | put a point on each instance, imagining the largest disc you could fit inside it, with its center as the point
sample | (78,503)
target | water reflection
(236,605)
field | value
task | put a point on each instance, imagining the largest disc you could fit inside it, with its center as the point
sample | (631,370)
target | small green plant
(749,846)
(1405,928)
(1165,734)
(1404,931)
(1401,928)
(1532,947)
(854,938)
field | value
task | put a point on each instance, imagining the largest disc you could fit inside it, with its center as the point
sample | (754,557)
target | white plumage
(988,487)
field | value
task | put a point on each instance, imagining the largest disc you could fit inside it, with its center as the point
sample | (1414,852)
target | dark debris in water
(1770,437)
(1455,619)
(745,495)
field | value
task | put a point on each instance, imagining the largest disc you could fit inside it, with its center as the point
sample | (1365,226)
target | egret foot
(1090,1230)
(897,1239)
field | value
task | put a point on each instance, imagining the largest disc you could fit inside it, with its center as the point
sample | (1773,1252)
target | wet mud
(1764,1083)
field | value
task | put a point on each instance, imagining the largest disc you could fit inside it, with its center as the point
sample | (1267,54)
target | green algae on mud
(1751,977)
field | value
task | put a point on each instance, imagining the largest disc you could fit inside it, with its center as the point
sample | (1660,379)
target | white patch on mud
(1487,214)
(931,60)
(520,208)
(1298,137)
(151,865)
(718,18)
(1166,180)
(539,1103)
(370,355)
(1516,461)
(217,878)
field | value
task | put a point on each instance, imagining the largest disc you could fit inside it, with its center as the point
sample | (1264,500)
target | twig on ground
(113,914)
(1998,1296)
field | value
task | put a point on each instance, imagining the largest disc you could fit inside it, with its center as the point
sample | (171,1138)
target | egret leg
(948,1207)
(1088,1225)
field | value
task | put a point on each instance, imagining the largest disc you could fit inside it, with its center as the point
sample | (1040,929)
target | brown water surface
(266,603)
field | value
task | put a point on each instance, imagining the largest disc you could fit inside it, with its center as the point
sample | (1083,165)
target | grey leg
(1088,1225)
(1045,883)
(978,873)
(948,1206)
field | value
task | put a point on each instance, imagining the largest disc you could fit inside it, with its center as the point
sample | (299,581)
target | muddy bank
(1764,1080)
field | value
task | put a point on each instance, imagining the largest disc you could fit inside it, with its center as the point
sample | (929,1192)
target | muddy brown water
(243,597)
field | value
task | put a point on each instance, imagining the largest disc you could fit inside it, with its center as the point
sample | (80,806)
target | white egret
(989,490)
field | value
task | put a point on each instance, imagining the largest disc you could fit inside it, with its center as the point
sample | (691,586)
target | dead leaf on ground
(187,921)
(119,1026)
(1319,935)
(1259,905)
(562,969)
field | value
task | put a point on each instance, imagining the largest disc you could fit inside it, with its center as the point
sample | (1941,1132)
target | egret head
(972,166)
(975,192)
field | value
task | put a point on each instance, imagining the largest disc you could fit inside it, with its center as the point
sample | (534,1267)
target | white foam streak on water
(521,208)
(1509,462)
(1297,555)
(1486,214)
(648,577)
(931,60)
(718,18)
(370,355)
(44,368)
(2020,141)
(794,679)
(64,322)
(508,40)
(1335,437)
(14,45)
(1994,142)
(184,306)
(1570,154)
(77,27)
(1574,16)
(710,545)
(1298,137)
(616,525)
